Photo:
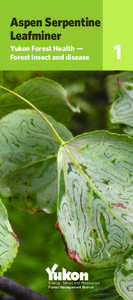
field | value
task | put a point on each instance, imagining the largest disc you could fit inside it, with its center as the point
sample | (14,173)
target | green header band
(91,35)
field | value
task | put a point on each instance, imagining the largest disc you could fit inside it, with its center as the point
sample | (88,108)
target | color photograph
(66,196)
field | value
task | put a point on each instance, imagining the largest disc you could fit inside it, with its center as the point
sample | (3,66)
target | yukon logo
(66,275)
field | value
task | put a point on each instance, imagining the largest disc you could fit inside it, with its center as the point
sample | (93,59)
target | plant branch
(37,110)
(18,291)
(5,297)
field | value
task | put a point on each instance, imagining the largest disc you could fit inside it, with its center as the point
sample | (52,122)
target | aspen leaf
(95,201)
(28,154)
(8,241)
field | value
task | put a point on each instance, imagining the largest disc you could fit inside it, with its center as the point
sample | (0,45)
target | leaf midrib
(29,165)
(99,158)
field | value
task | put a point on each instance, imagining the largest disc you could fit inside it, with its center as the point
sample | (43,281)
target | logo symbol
(66,275)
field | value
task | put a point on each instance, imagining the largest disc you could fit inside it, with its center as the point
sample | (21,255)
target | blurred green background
(41,245)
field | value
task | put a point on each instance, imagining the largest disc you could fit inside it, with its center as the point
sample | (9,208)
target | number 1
(118,48)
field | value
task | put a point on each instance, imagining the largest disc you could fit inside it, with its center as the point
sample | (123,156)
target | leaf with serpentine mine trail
(28,160)
(95,197)
(49,97)
(122,108)
(124,279)
(8,241)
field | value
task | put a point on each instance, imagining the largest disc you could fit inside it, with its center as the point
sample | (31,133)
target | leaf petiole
(37,110)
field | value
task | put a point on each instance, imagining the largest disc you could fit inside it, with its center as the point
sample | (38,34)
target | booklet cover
(66,150)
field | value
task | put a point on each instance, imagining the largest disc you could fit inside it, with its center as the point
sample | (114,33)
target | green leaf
(46,94)
(112,82)
(8,241)
(124,278)
(28,150)
(122,107)
(95,202)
